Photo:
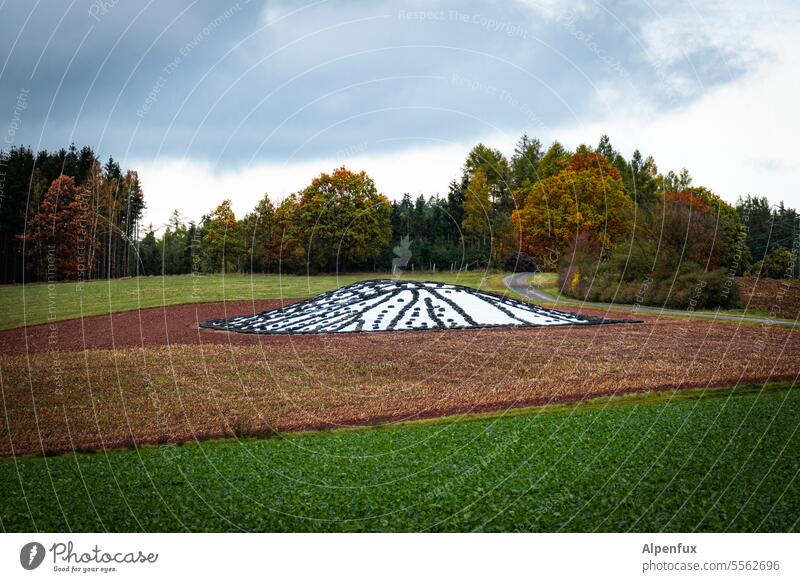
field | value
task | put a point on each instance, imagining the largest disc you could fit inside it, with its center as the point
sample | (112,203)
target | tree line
(613,228)
(66,215)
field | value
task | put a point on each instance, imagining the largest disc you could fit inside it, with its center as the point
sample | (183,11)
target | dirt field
(779,297)
(174,324)
(147,382)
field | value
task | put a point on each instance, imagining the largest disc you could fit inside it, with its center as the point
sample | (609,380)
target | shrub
(779,264)
(578,266)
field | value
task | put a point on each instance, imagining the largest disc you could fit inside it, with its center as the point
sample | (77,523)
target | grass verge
(39,303)
(548,282)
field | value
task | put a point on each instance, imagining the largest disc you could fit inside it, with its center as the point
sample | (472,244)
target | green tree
(495,168)
(643,179)
(675,182)
(779,264)
(476,223)
(554,161)
(258,233)
(173,247)
(340,222)
(149,257)
(496,174)
(223,244)
(525,162)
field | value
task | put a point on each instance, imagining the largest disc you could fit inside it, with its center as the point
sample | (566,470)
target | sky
(214,100)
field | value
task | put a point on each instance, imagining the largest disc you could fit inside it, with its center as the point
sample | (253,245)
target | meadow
(703,460)
(42,302)
(139,422)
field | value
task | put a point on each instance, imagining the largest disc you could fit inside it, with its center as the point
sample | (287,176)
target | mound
(389,305)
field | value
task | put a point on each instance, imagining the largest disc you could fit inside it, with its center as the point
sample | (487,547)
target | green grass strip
(716,460)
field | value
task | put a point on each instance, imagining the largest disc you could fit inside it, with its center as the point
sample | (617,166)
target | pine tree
(525,162)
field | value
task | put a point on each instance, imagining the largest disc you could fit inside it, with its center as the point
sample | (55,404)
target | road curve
(518,283)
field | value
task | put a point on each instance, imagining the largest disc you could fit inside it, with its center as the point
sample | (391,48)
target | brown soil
(173,324)
(158,326)
(170,382)
(778,297)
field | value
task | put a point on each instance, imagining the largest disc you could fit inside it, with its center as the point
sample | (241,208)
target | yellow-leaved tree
(587,196)
(223,241)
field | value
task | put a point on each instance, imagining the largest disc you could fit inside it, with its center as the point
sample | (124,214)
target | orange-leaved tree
(61,231)
(587,196)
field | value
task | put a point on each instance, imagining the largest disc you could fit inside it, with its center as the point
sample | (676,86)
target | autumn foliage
(681,254)
(62,230)
(608,223)
(338,222)
(584,197)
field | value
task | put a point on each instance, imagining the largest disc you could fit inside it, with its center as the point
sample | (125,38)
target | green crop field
(38,303)
(714,460)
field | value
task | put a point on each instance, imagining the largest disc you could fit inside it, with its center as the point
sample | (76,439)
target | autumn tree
(61,230)
(477,210)
(688,232)
(223,246)
(586,196)
(729,238)
(340,221)
(678,256)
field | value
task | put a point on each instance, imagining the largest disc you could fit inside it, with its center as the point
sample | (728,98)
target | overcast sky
(209,100)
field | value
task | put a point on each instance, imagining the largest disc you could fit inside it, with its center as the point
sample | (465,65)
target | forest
(64,215)
(613,228)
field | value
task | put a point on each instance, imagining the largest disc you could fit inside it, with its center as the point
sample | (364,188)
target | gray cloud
(272,81)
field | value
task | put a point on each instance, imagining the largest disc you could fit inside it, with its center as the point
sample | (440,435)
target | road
(518,283)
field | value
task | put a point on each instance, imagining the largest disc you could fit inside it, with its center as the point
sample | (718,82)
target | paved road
(518,283)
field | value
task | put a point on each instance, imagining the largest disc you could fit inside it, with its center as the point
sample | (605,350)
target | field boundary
(518,284)
(576,405)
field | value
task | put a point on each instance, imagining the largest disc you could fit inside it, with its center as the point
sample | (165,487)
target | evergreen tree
(525,162)
(258,232)
(149,256)
(554,161)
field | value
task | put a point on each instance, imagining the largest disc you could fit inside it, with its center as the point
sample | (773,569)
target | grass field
(40,302)
(547,282)
(718,460)
(672,460)
(779,299)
